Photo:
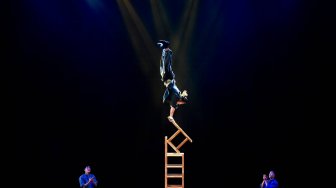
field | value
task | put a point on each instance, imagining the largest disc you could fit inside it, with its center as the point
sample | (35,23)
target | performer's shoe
(184,96)
(171,119)
(184,93)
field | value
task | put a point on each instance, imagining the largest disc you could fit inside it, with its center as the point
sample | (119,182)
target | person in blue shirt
(172,94)
(263,183)
(272,182)
(87,180)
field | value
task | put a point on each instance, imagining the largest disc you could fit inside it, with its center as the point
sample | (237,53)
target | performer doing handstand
(172,94)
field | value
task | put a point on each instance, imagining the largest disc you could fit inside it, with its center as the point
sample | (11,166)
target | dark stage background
(86,90)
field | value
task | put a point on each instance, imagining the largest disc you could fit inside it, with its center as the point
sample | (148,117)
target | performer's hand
(91,180)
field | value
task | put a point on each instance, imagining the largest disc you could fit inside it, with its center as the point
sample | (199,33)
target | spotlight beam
(161,20)
(142,44)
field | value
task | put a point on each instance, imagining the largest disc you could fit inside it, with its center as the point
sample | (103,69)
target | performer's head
(87,170)
(163,44)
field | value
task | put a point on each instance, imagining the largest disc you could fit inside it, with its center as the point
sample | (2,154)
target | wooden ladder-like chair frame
(177,153)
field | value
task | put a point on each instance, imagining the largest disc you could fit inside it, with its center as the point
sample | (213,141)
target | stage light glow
(144,45)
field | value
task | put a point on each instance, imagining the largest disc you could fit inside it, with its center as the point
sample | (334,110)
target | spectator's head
(87,170)
(264,177)
(271,174)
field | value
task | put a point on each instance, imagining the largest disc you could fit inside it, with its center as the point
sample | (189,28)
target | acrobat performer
(172,94)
